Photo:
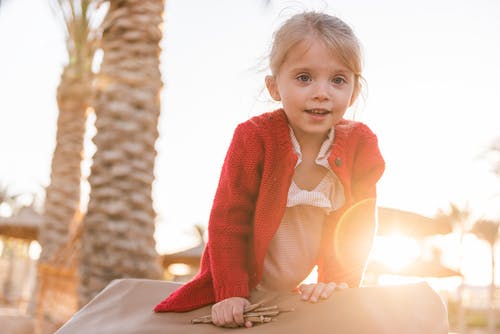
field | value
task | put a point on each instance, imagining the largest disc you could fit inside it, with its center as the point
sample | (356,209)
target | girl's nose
(321,91)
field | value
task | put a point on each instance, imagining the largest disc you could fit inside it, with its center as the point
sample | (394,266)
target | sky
(432,69)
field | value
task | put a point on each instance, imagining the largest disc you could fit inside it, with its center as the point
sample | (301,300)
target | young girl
(297,188)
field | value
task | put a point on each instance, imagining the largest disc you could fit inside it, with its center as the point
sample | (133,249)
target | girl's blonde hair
(331,30)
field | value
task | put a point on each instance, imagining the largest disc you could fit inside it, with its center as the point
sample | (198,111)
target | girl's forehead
(311,45)
(312,50)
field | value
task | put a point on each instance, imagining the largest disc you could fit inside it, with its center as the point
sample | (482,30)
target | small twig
(264,308)
(252,307)
(264,313)
(202,320)
(260,319)
(255,313)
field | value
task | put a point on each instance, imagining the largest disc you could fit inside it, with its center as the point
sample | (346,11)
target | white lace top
(294,248)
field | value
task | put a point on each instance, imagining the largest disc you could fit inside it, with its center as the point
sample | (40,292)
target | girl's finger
(316,293)
(229,318)
(306,290)
(328,290)
(215,317)
(238,316)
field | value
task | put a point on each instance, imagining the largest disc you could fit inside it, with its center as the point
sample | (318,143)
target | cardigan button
(338,162)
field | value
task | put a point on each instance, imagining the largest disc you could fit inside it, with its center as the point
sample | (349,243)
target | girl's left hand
(315,292)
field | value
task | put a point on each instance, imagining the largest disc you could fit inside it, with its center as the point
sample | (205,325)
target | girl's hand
(229,313)
(315,292)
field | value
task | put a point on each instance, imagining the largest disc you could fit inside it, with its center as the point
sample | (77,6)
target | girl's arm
(360,221)
(356,227)
(230,225)
(368,166)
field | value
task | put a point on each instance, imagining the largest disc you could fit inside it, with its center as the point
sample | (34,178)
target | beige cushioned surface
(126,306)
(14,322)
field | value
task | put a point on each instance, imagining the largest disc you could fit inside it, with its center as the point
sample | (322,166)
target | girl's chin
(312,131)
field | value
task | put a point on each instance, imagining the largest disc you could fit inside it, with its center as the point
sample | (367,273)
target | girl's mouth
(317,112)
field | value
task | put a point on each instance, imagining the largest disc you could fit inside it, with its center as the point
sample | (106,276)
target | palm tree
(62,202)
(74,99)
(455,215)
(458,217)
(488,231)
(118,229)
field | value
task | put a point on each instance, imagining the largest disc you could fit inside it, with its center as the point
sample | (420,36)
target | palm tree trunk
(56,296)
(54,305)
(63,194)
(119,226)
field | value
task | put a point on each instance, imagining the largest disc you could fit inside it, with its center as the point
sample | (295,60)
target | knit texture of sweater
(251,199)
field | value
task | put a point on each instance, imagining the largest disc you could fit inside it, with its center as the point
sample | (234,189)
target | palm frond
(81,19)
(487,230)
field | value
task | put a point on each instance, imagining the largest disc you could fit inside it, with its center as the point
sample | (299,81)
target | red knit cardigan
(250,202)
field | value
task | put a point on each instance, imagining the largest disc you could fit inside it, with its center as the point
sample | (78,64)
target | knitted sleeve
(356,228)
(368,165)
(230,224)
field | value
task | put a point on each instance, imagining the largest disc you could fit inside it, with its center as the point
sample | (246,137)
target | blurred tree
(118,230)
(62,202)
(8,199)
(74,99)
(454,215)
(458,217)
(488,230)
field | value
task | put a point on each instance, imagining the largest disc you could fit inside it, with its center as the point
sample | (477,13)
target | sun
(395,251)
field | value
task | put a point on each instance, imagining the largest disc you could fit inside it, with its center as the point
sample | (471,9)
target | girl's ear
(272,88)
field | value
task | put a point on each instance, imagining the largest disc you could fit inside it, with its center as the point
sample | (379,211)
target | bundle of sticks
(255,313)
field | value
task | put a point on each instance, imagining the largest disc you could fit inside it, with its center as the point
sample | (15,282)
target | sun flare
(395,251)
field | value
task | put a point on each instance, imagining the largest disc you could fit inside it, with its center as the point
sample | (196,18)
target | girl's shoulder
(268,119)
(270,124)
(269,129)
(354,130)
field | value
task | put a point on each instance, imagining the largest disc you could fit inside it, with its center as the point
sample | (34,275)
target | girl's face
(314,87)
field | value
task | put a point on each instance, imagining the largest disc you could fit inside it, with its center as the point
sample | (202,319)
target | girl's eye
(338,80)
(304,78)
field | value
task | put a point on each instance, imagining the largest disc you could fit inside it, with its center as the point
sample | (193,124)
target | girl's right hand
(229,313)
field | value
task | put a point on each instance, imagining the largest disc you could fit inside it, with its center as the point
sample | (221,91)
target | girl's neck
(310,144)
